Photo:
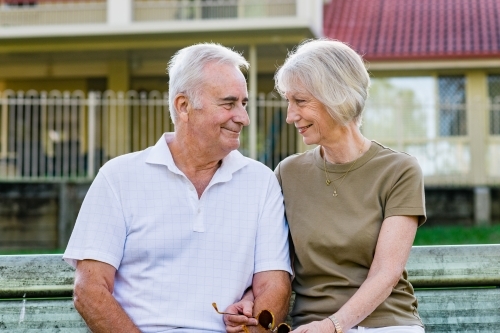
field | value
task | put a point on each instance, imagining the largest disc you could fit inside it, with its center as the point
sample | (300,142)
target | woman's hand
(323,326)
(235,324)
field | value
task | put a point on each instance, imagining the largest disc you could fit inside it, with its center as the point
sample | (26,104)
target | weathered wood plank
(35,276)
(460,310)
(455,310)
(45,316)
(454,266)
(428,266)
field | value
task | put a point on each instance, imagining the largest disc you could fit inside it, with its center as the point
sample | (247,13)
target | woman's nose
(291,114)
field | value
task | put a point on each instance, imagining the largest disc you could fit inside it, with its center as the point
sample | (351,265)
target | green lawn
(426,235)
(457,235)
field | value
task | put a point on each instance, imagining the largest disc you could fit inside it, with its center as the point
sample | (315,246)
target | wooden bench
(457,288)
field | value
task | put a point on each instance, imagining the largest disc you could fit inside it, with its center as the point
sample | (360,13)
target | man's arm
(93,299)
(271,290)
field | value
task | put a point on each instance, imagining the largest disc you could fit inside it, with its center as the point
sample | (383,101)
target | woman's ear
(182,106)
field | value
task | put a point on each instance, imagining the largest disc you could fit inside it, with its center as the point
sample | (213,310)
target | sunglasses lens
(266,319)
(284,328)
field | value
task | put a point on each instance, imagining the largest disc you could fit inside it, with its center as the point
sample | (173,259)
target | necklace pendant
(335,193)
(328,182)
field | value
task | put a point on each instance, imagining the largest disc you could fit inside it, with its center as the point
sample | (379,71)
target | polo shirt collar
(160,154)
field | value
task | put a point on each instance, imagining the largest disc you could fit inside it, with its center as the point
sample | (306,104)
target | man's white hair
(332,72)
(186,74)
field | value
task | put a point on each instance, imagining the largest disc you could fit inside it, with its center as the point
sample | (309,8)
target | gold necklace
(328,181)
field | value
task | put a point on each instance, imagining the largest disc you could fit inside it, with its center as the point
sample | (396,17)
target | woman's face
(309,116)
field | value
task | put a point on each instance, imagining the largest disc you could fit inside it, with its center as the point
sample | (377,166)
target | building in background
(82,81)
(435,92)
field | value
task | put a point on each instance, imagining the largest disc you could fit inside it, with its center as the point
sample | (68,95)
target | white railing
(52,12)
(166,10)
(439,136)
(52,136)
(57,12)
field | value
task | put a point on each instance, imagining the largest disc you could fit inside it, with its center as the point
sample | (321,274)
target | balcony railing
(51,12)
(57,12)
(165,10)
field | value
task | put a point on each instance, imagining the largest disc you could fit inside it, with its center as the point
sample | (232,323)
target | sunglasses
(265,318)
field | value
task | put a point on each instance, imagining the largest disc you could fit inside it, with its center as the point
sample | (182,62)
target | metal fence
(52,12)
(59,136)
(52,136)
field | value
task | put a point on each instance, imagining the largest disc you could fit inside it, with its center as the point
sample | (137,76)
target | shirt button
(199,210)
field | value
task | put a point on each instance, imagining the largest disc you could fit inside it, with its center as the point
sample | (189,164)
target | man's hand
(235,324)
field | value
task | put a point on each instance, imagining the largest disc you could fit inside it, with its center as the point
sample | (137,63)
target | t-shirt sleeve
(406,196)
(277,173)
(100,229)
(271,247)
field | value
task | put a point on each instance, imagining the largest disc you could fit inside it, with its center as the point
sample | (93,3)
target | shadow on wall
(38,216)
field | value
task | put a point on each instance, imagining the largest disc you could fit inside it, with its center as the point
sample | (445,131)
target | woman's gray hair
(332,72)
(185,70)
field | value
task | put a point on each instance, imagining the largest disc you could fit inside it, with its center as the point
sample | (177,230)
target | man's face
(216,127)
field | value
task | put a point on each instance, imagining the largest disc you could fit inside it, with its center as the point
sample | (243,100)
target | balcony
(44,18)
(161,10)
(36,13)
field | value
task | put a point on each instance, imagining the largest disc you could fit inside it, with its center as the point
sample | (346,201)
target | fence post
(253,102)
(91,135)
(4,126)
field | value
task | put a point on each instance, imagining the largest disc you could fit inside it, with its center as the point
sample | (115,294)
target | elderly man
(164,232)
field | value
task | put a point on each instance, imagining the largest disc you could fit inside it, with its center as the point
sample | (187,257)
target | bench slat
(428,266)
(454,266)
(457,310)
(44,316)
(35,276)
(460,310)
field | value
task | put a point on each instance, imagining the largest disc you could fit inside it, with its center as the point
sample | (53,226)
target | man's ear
(182,106)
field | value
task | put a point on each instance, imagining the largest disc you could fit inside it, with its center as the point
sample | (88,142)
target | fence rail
(60,136)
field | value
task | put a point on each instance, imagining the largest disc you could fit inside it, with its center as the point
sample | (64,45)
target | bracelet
(335,322)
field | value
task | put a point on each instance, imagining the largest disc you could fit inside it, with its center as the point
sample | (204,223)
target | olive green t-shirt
(335,237)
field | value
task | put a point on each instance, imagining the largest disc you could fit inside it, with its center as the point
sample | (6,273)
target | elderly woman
(353,205)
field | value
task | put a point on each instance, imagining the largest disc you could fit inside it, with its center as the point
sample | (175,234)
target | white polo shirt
(175,254)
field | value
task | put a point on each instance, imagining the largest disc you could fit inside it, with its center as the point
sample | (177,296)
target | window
(452,116)
(494,94)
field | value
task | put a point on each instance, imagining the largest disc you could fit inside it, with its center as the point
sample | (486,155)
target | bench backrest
(460,290)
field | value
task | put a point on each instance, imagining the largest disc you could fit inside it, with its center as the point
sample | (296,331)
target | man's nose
(241,116)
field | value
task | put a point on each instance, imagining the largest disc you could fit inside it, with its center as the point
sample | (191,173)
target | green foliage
(456,235)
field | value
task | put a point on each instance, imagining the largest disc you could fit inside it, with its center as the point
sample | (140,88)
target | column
(477,130)
(118,115)
(119,12)
(482,206)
